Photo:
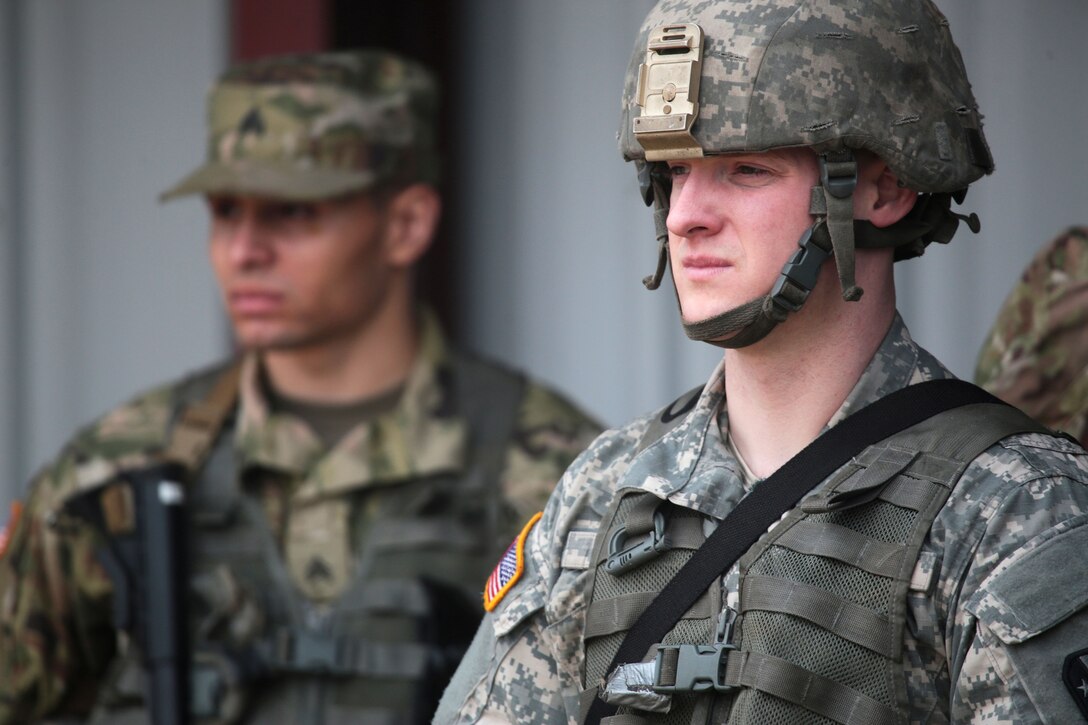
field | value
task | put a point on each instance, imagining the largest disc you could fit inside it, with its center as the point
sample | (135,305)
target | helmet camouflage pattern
(713,77)
(310,127)
(882,75)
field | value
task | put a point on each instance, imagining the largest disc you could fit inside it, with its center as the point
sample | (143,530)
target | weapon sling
(777,494)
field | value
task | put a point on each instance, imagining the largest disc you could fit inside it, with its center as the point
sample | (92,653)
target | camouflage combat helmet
(721,76)
(309,127)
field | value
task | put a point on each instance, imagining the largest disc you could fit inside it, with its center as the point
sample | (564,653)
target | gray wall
(103,291)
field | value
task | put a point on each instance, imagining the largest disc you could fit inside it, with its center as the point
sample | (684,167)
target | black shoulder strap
(200,420)
(489,396)
(777,494)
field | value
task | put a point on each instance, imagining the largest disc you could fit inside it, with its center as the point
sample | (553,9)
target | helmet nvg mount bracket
(668,92)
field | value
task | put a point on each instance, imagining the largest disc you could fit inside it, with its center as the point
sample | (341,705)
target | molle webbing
(616,601)
(823,595)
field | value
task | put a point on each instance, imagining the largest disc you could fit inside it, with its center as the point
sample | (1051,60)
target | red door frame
(273,27)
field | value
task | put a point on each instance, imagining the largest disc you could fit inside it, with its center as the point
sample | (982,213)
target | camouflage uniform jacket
(56,637)
(1036,355)
(527,662)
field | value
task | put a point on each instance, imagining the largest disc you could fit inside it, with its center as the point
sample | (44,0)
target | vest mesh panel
(879,520)
(809,645)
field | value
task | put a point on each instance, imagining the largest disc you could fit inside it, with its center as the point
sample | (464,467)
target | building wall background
(103,291)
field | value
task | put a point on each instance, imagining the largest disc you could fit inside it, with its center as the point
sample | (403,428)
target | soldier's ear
(888,201)
(411,222)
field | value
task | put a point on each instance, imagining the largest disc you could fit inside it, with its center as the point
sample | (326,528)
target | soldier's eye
(676,170)
(223,208)
(294,212)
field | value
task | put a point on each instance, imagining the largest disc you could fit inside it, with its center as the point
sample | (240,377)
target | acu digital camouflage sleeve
(1036,356)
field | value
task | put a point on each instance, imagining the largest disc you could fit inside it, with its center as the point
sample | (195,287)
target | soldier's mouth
(255,302)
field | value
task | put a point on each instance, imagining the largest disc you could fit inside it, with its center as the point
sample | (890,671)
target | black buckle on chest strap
(692,668)
(696,667)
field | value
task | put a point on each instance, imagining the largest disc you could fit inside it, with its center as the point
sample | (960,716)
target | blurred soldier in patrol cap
(1036,356)
(348,480)
(876,529)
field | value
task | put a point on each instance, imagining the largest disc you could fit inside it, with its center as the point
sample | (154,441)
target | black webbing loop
(780,492)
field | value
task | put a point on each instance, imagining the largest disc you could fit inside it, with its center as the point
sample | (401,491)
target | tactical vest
(383,650)
(818,637)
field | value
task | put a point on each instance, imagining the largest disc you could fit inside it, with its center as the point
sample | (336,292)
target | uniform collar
(898,363)
(691,464)
(420,437)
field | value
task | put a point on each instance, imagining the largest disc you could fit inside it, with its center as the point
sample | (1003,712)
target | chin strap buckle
(839,173)
(799,274)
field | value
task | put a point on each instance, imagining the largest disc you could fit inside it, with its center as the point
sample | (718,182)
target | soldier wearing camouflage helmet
(1036,355)
(832,529)
(348,479)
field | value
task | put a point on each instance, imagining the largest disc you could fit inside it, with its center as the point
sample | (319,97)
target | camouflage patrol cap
(310,127)
(882,75)
(1036,356)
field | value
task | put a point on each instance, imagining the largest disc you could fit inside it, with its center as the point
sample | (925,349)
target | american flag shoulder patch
(509,569)
(8,529)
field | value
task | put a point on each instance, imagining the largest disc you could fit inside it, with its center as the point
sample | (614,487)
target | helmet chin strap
(655,192)
(754,320)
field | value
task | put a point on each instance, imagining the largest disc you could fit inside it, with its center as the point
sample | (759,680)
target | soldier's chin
(264,341)
(695,314)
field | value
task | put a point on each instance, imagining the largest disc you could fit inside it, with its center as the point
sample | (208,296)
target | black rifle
(148,565)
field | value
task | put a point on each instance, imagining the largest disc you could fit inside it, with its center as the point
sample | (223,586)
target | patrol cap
(310,127)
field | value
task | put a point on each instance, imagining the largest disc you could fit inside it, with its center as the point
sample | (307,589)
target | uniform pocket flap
(1038,587)
(520,604)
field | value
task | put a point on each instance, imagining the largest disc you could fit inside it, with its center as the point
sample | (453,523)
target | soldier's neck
(348,368)
(781,392)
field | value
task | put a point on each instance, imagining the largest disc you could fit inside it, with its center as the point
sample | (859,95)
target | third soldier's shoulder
(605,463)
(545,407)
